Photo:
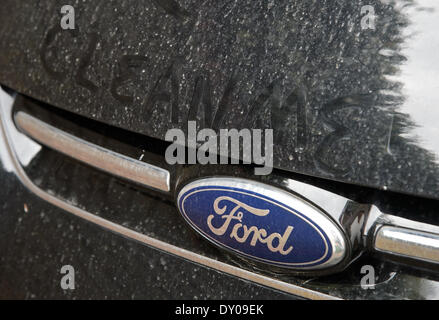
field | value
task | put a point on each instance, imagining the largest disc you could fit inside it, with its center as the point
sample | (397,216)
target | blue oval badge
(262,222)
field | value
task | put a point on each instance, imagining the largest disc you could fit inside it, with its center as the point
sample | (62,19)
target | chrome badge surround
(336,243)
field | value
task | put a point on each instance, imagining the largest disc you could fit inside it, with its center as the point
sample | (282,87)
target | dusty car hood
(346,103)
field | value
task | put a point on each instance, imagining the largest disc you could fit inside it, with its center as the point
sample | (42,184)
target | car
(172,149)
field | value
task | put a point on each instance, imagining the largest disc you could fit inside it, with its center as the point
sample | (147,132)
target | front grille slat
(94,155)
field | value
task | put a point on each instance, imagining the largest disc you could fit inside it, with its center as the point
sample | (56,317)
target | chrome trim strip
(151,242)
(382,219)
(93,155)
(408,243)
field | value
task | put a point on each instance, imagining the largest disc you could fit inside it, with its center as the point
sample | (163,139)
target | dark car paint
(346,104)
(86,74)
